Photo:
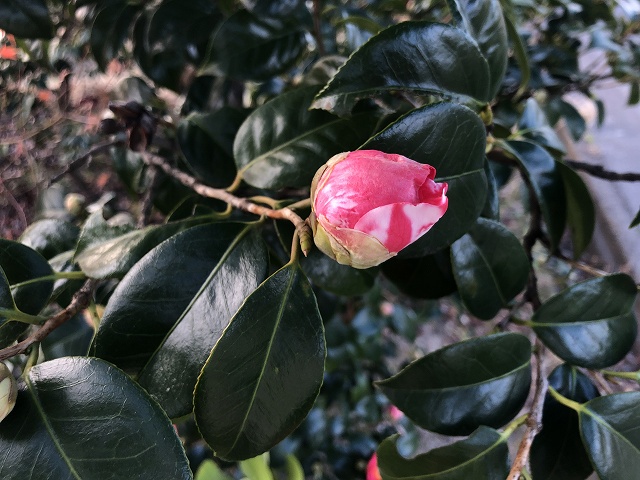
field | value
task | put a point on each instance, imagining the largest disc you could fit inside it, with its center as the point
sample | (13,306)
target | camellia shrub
(285,169)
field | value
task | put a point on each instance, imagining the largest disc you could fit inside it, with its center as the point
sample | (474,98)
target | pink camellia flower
(368,205)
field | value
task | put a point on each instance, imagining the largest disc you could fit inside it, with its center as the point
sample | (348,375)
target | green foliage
(194,293)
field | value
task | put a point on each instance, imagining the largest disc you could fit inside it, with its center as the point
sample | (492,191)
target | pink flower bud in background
(368,205)
(372,468)
(8,391)
(395,413)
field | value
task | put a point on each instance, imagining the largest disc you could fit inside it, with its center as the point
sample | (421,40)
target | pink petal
(399,224)
(367,179)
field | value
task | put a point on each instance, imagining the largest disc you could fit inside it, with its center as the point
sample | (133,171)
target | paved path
(616,146)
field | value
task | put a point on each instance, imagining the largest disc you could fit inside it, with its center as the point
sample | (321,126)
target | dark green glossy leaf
(26,18)
(491,207)
(83,418)
(581,214)
(450,138)
(454,390)
(265,371)
(557,452)
(535,126)
(179,281)
(591,324)
(415,56)
(111,27)
(249,47)
(206,141)
(519,52)
(611,434)
(636,220)
(283,143)
(20,263)
(490,268)
(558,108)
(426,277)
(546,181)
(484,21)
(106,251)
(482,456)
(193,322)
(50,237)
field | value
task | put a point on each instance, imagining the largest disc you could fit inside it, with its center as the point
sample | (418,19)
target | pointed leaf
(591,324)
(83,418)
(491,209)
(485,23)
(26,18)
(558,108)
(104,252)
(611,434)
(454,390)
(636,220)
(414,56)
(490,267)
(20,263)
(249,47)
(206,141)
(482,456)
(581,215)
(546,181)
(265,371)
(557,452)
(450,138)
(283,143)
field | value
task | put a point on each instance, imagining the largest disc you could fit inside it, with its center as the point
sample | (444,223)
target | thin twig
(84,158)
(534,420)
(304,231)
(317,30)
(80,301)
(600,172)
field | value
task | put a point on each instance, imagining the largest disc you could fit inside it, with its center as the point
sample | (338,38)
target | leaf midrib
(50,430)
(283,304)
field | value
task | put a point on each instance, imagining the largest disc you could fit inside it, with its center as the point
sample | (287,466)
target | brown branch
(84,158)
(600,172)
(304,231)
(14,203)
(534,420)
(80,301)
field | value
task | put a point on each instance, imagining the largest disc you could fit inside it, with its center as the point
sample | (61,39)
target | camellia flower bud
(368,205)
(8,391)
